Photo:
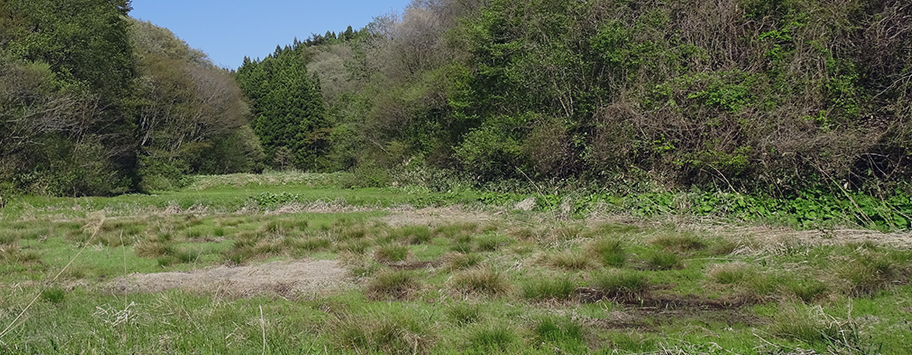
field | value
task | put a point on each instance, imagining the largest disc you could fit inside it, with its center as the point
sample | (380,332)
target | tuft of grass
(609,252)
(463,314)
(680,242)
(866,274)
(461,261)
(567,232)
(544,288)
(391,253)
(396,285)
(456,229)
(562,330)
(806,290)
(569,261)
(811,325)
(397,333)
(53,294)
(153,248)
(481,280)
(621,283)
(186,255)
(748,276)
(493,338)
(306,244)
(358,246)
(662,260)
(462,244)
(413,234)
(732,273)
(491,242)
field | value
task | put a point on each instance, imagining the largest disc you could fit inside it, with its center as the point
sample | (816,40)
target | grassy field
(293,264)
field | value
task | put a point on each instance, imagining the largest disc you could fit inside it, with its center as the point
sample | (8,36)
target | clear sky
(228,30)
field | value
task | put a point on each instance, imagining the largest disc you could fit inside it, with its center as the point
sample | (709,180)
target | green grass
(507,283)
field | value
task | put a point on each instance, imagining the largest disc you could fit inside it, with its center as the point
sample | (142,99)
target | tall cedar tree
(288,106)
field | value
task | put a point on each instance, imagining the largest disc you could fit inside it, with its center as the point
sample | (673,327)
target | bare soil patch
(285,278)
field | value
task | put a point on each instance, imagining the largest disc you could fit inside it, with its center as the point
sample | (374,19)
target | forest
(765,97)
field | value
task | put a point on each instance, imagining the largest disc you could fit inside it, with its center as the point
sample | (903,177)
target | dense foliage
(768,96)
(94,103)
(290,119)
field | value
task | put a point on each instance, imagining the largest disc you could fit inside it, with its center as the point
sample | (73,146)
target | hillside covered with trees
(760,96)
(95,103)
(767,97)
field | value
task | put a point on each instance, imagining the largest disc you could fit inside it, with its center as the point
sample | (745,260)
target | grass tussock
(482,280)
(456,229)
(680,242)
(464,314)
(413,234)
(865,275)
(609,252)
(548,288)
(460,261)
(560,330)
(812,325)
(397,333)
(394,285)
(663,260)
(623,283)
(491,242)
(569,261)
(391,253)
(493,338)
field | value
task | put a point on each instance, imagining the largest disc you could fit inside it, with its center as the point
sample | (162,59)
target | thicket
(95,103)
(761,96)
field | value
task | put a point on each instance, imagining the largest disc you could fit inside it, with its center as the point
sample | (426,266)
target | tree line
(760,96)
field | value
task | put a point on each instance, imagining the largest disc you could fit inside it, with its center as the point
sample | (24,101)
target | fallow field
(295,264)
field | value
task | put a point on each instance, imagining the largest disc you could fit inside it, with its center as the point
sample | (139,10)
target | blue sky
(228,30)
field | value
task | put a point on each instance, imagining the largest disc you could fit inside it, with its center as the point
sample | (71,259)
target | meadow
(296,264)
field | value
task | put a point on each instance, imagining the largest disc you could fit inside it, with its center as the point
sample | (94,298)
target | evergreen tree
(288,107)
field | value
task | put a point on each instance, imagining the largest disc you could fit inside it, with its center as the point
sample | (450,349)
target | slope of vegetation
(760,96)
(94,103)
